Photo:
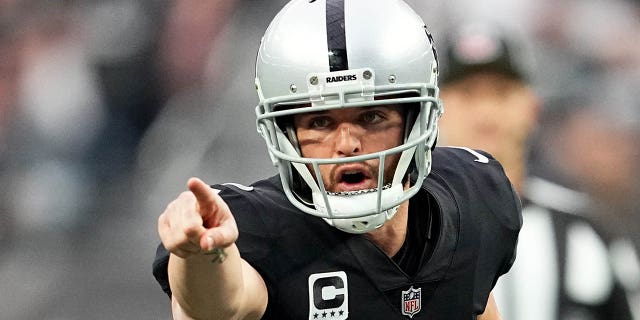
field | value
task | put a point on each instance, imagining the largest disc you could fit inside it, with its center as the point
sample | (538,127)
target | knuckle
(164,218)
(171,207)
(186,195)
(171,247)
(176,244)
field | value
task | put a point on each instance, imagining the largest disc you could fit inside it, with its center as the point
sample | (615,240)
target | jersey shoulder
(467,160)
(478,180)
(255,198)
(259,208)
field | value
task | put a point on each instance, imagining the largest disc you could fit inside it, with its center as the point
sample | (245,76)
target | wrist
(217,255)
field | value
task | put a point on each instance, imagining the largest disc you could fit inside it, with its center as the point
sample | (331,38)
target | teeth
(356,192)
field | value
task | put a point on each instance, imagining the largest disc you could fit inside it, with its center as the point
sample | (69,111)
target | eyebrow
(313,113)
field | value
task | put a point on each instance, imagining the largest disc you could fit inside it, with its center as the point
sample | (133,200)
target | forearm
(207,289)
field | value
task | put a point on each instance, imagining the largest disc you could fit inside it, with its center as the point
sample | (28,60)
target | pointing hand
(196,222)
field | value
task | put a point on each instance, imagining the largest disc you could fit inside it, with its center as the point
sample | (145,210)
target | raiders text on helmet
(350,77)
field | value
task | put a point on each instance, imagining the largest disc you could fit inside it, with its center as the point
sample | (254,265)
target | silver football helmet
(331,54)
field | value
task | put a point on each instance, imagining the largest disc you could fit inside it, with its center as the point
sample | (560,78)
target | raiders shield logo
(411,301)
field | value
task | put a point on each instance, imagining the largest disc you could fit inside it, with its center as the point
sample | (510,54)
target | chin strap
(345,206)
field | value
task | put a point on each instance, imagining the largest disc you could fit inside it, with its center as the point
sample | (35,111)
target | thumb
(221,236)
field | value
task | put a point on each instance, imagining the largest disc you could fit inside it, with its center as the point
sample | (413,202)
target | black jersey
(315,271)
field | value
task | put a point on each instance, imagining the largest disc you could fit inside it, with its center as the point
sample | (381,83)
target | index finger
(204,195)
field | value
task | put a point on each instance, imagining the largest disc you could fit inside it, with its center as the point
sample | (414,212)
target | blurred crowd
(108,107)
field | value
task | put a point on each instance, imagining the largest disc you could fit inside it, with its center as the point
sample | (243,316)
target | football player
(366,218)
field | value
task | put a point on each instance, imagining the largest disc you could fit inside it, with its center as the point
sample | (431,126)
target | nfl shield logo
(411,301)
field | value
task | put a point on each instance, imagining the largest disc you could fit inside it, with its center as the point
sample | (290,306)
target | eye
(319,122)
(372,117)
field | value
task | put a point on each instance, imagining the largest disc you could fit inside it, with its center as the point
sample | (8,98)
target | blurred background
(108,107)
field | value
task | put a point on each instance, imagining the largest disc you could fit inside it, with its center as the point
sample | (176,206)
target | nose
(348,141)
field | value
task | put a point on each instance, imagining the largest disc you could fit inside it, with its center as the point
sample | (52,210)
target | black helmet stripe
(336,38)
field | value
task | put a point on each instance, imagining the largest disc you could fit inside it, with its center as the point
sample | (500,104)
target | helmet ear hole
(360,224)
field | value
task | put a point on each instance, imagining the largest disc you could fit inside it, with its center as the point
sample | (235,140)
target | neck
(390,237)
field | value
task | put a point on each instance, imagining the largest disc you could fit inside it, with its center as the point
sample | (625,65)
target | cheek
(309,151)
(313,146)
(391,162)
(325,172)
(392,136)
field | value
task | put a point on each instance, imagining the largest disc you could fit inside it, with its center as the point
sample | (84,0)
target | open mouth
(352,177)
(352,180)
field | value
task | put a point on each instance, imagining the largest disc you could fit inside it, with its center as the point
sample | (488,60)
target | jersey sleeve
(500,227)
(503,221)
(159,267)
(490,209)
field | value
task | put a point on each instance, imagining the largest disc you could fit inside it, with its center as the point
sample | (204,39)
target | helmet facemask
(363,210)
